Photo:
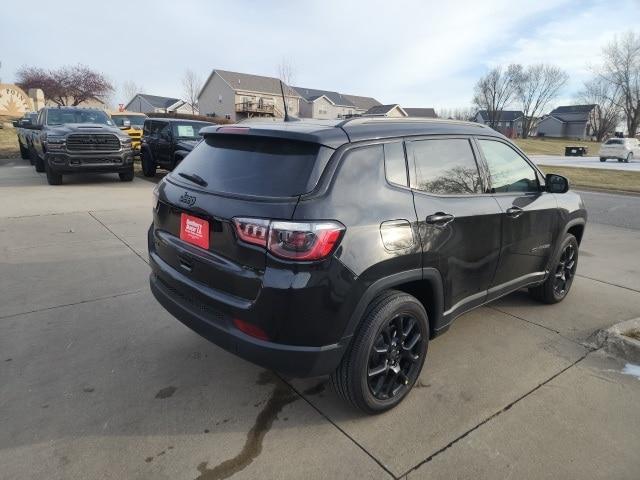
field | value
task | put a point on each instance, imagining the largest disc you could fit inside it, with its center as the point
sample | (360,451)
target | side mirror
(556,183)
(126,123)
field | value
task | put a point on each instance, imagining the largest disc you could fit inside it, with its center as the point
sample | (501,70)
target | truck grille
(93,142)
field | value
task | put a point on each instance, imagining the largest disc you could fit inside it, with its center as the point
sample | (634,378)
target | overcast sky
(416,53)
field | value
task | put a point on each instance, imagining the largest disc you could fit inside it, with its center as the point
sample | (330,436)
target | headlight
(125,142)
(55,142)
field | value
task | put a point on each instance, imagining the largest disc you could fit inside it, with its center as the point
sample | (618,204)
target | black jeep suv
(166,141)
(342,248)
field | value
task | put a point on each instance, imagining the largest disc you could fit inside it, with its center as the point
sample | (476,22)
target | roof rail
(363,120)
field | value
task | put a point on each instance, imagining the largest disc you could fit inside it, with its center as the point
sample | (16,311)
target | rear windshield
(247,165)
(614,141)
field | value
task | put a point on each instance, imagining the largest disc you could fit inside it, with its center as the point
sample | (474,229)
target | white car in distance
(622,149)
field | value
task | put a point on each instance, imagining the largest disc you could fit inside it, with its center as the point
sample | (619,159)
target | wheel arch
(425,284)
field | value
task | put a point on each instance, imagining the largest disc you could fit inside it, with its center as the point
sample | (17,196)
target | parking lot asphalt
(98,381)
(586,162)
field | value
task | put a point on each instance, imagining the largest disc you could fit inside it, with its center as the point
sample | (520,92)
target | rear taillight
(305,241)
(250,329)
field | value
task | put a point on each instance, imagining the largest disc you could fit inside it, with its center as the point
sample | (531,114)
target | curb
(614,341)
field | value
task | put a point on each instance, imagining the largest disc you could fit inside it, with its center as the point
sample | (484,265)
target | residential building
(237,96)
(324,104)
(392,110)
(421,112)
(571,121)
(361,104)
(509,123)
(144,103)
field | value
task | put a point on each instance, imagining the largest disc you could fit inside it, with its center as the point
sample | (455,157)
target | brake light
(250,329)
(233,130)
(305,241)
(252,230)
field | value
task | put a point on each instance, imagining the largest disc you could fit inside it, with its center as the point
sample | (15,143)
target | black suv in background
(342,248)
(166,141)
(79,140)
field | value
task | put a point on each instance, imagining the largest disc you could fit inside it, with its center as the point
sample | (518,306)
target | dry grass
(552,146)
(633,333)
(598,178)
(9,143)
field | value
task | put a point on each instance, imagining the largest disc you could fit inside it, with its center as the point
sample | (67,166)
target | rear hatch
(225,177)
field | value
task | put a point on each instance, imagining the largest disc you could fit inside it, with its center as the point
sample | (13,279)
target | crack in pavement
(608,283)
(496,414)
(121,239)
(96,299)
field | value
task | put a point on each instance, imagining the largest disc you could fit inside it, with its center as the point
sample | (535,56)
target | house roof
(311,94)
(157,101)
(253,83)
(573,113)
(362,103)
(505,115)
(421,112)
(382,109)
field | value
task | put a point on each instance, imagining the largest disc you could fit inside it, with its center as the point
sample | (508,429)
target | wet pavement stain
(8,359)
(166,392)
(88,389)
(316,389)
(280,396)
(46,405)
(148,459)
(421,384)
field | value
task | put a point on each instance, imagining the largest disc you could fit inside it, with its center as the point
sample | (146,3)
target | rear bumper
(108,162)
(174,292)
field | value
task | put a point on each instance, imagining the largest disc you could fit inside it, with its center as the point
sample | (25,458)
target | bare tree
(622,69)
(71,85)
(495,91)
(191,84)
(608,112)
(465,113)
(536,86)
(286,72)
(130,89)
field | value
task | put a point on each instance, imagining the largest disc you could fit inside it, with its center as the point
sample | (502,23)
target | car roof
(334,133)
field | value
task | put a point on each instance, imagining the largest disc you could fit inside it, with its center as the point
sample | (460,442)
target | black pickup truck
(79,140)
(166,141)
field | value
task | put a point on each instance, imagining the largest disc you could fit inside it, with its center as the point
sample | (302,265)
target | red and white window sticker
(194,230)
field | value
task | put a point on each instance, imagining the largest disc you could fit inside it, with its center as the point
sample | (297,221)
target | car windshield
(188,130)
(61,116)
(614,141)
(135,120)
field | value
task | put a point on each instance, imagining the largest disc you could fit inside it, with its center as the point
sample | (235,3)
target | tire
(603,159)
(629,157)
(39,163)
(53,178)
(391,320)
(620,160)
(149,167)
(550,291)
(24,152)
(126,176)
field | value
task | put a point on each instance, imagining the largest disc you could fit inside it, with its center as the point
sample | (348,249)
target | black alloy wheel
(395,357)
(565,270)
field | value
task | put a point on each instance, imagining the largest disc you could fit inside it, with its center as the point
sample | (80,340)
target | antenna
(287,118)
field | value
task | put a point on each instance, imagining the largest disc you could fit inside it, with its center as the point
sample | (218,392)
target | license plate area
(194,230)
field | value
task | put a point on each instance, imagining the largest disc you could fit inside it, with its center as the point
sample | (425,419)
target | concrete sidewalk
(98,381)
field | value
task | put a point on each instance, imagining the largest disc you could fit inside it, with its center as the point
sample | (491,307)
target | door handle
(440,219)
(514,212)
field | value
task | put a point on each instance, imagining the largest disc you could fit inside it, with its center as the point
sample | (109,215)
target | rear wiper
(197,179)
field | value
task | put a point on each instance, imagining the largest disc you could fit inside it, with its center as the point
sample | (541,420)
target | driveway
(98,381)
(586,162)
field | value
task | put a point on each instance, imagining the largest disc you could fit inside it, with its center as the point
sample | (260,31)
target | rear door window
(252,165)
(444,167)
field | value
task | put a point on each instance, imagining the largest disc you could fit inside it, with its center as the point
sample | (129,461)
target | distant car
(130,123)
(166,141)
(25,134)
(622,149)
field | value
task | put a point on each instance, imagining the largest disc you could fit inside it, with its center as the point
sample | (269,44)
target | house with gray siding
(570,121)
(144,103)
(362,104)
(509,123)
(421,112)
(324,104)
(237,96)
